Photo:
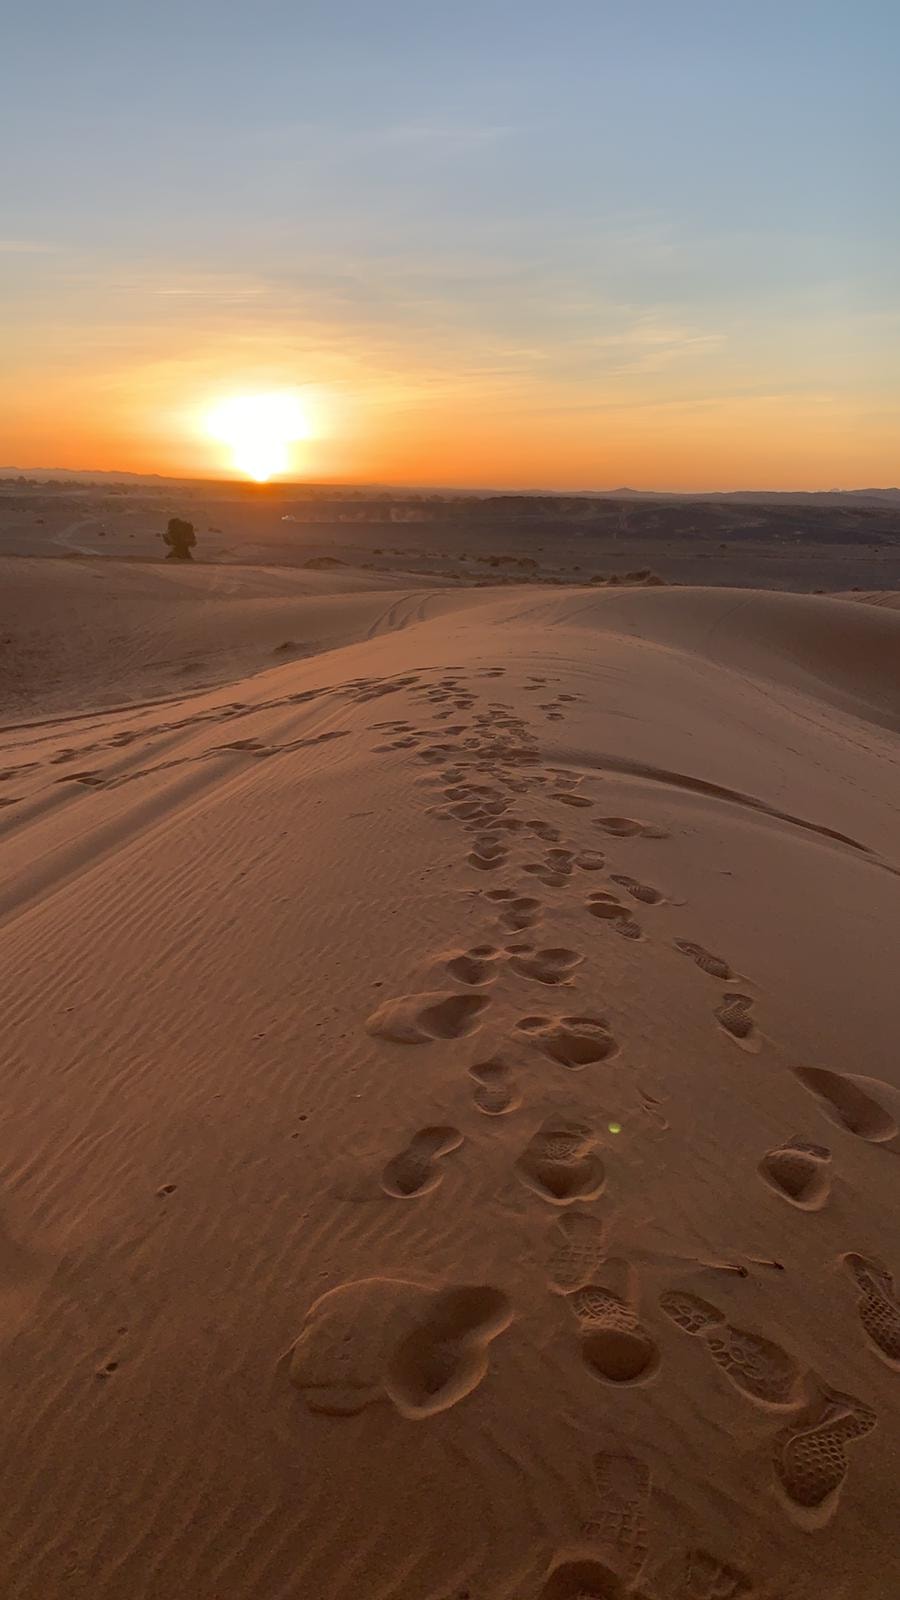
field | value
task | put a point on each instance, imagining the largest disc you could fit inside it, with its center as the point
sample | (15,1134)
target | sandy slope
(400,1051)
(86,634)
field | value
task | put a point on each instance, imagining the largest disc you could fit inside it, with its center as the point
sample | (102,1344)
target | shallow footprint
(708,1578)
(423,1018)
(495,1091)
(733,1017)
(620,1530)
(878,1309)
(609,908)
(760,1369)
(521,913)
(414,1171)
(628,828)
(810,1457)
(590,860)
(714,965)
(639,891)
(799,1172)
(574,1042)
(576,1247)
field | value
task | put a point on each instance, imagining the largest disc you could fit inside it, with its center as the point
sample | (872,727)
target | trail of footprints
(428,1350)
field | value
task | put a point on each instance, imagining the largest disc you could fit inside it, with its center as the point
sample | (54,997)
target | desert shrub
(181,538)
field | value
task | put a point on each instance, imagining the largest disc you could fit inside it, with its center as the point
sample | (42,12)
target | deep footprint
(574,1042)
(424,1018)
(552,966)
(475,966)
(414,1171)
(583,1580)
(443,1359)
(385,1337)
(560,1163)
(614,1346)
(799,1172)
(761,1370)
(845,1098)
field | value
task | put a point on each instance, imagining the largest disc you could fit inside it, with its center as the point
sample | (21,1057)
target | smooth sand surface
(451,1096)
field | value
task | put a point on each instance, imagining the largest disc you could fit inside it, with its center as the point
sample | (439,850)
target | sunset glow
(459,291)
(259,430)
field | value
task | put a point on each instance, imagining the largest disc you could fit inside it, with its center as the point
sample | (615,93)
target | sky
(493,243)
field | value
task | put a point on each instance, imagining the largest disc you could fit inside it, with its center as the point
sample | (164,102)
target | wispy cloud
(27,247)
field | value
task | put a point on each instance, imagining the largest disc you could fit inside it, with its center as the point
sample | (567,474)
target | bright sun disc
(259,428)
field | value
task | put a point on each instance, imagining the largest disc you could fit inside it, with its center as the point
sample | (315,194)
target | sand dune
(451,1098)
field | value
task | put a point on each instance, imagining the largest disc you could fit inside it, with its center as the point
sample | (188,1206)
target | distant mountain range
(46,476)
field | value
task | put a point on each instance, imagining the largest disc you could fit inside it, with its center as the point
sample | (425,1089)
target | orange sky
(663,405)
(482,257)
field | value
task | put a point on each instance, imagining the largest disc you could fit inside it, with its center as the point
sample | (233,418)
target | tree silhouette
(180,537)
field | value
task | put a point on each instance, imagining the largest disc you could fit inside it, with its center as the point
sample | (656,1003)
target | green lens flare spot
(614,1127)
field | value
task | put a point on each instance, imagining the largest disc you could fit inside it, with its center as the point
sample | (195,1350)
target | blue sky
(558,211)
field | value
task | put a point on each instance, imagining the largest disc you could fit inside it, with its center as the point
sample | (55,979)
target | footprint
(639,891)
(567,799)
(707,1578)
(614,1346)
(799,1172)
(385,1337)
(495,1091)
(560,1163)
(878,1309)
(610,909)
(584,1580)
(810,1457)
(422,1018)
(574,1042)
(553,966)
(846,1100)
(620,1529)
(590,861)
(487,861)
(544,831)
(414,1170)
(628,828)
(733,1016)
(522,912)
(550,877)
(577,1243)
(445,1357)
(475,966)
(760,1369)
(714,965)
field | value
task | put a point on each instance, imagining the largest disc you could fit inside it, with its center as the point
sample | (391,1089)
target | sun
(260,430)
